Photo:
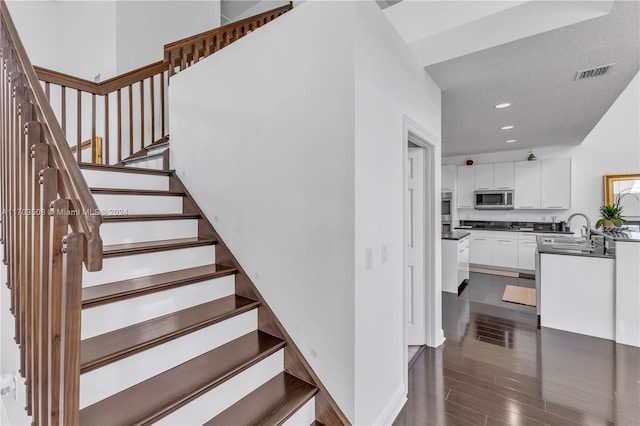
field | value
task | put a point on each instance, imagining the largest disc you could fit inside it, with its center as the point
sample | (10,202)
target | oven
(447,211)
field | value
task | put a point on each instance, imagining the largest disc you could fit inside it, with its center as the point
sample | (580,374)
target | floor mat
(520,295)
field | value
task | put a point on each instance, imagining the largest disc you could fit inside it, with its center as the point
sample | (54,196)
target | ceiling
(534,73)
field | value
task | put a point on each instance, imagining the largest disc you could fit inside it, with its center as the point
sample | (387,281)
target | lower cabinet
(527,254)
(455,263)
(481,250)
(505,252)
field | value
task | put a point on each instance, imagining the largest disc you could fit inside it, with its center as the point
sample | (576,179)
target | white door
(416,320)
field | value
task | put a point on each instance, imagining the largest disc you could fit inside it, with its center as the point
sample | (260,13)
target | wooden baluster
(119,125)
(195,52)
(26,114)
(48,193)
(47,90)
(142,114)
(32,136)
(153,108)
(63,108)
(39,159)
(162,89)
(130,119)
(72,308)
(106,129)
(207,47)
(79,127)
(59,227)
(93,128)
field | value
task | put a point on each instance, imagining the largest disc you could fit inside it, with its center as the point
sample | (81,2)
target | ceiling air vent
(593,72)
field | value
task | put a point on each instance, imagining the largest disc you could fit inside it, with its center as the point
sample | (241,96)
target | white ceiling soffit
(537,75)
(441,30)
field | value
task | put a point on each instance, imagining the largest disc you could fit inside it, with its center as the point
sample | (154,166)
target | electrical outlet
(368,263)
(384,253)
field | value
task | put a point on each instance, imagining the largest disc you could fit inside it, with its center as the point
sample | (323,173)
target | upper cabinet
(466,186)
(448,178)
(555,184)
(503,176)
(527,185)
(493,176)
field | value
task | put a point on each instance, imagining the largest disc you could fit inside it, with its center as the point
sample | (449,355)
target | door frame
(418,135)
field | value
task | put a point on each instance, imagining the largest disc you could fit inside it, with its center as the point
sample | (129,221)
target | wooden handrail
(185,52)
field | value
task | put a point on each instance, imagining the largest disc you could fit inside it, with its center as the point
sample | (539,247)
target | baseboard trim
(393,407)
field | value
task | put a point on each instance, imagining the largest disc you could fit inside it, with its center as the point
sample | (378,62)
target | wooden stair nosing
(120,290)
(270,404)
(126,249)
(118,344)
(122,169)
(160,395)
(149,217)
(120,191)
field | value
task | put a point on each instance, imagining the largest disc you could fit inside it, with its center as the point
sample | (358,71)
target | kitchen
(525,156)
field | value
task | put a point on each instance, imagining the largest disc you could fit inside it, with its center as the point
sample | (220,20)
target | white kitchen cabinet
(555,183)
(481,250)
(505,252)
(503,176)
(465,187)
(448,178)
(526,185)
(527,254)
(455,263)
(483,175)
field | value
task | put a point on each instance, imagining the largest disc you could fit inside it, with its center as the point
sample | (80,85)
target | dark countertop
(512,226)
(533,231)
(455,235)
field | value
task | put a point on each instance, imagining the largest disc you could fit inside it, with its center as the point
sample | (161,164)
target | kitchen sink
(568,243)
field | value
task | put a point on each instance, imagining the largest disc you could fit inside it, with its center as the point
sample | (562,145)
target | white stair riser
(212,403)
(103,382)
(151,150)
(305,415)
(139,265)
(151,230)
(155,162)
(112,316)
(116,204)
(121,180)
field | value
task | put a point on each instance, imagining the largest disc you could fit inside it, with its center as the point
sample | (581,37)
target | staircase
(167,338)
(139,314)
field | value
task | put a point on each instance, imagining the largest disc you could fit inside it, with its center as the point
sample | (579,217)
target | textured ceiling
(536,75)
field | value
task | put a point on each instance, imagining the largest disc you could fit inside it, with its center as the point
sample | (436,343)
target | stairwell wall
(262,135)
(389,83)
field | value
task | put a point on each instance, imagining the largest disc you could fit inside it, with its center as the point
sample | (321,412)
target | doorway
(422,288)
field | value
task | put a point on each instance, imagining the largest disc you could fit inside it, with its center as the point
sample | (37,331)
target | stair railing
(50,227)
(128,112)
(183,53)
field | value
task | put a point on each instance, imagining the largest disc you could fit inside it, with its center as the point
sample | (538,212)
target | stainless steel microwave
(494,200)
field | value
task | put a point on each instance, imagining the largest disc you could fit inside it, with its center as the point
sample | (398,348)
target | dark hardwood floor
(497,368)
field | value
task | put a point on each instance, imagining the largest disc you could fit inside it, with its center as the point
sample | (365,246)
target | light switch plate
(384,253)
(368,263)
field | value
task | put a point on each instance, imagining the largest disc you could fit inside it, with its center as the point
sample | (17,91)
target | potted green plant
(611,215)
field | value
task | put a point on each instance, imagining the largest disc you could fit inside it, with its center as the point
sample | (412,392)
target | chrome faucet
(588,223)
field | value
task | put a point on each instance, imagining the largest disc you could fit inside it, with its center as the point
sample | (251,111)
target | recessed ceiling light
(506,127)
(502,105)
(510,141)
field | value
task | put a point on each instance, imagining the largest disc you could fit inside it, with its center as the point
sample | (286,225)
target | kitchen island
(591,291)
(455,261)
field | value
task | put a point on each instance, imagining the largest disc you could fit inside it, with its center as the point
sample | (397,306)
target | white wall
(612,147)
(389,83)
(144,27)
(268,153)
(33,19)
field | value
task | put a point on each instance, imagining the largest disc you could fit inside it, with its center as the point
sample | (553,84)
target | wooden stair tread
(109,347)
(270,404)
(120,290)
(149,217)
(153,246)
(122,169)
(121,191)
(156,397)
